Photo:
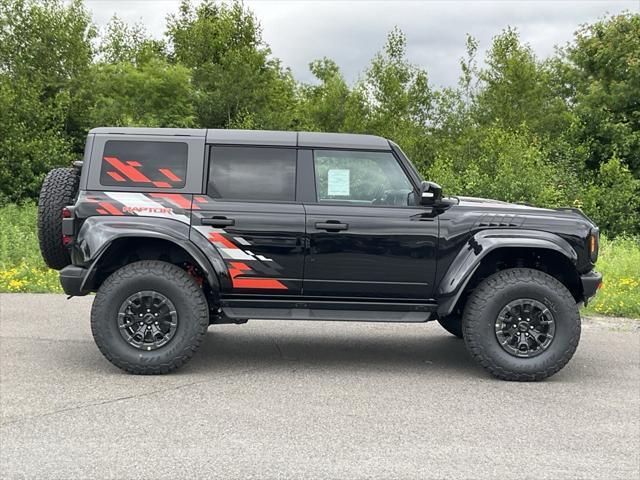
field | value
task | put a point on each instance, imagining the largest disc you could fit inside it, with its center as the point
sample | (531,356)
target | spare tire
(58,190)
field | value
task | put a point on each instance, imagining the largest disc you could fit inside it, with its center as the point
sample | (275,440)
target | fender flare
(98,234)
(483,243)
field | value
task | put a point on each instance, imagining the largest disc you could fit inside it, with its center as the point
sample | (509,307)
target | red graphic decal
(116,176)
(110,208)
(162,184)
(102,212)
(130,172)
(258,283)
(133,163)
(175,198)
(236,269)
(216,237)
(200,199)
(169,174)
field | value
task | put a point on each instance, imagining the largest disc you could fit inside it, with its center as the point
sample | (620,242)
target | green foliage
(516,90)
(619,262)
(21,266)
(236,78)
(122,94)
(600,71)
(126,43)
(496,163)
(331,105)
(399,99)
(612,199)
(554,132)
(44,46)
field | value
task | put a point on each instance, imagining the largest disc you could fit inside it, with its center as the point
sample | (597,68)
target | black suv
(177,229)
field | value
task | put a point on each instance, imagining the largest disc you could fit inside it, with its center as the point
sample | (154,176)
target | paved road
(308,400)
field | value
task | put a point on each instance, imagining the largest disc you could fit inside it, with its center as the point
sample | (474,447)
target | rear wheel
(521,324)
(58,190)
(149,317)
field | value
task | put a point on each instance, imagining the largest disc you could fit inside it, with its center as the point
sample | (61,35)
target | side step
(336,311)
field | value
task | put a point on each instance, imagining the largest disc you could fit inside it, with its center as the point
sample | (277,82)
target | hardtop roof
(260,137)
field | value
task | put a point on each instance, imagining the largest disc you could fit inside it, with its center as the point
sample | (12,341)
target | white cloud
(351,32)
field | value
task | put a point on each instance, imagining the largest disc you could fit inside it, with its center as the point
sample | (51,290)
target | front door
(366,238)
(250,215)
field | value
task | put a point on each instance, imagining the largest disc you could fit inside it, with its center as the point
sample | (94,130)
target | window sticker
(338,183)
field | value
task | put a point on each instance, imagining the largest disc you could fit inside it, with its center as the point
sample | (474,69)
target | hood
(521,210)
(499,204)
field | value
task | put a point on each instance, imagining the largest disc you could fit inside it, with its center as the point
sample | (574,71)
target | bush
(21,266)
(619,262)
(494,163)
(612,199)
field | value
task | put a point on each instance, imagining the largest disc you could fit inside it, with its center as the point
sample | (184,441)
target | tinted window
(144,164)
(360,178)
(249,173)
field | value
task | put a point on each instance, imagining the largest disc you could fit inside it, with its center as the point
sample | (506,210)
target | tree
(234,75)
(44,46)
(399,99)
(153,94)
(330,105)
(612,199)
(517,90)
(600,76)
(126,43)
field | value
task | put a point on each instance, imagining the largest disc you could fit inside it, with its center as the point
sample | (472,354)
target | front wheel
(149,317)
(521,324)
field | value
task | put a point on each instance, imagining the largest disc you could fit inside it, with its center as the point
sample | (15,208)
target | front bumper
(590,284)
(72,279)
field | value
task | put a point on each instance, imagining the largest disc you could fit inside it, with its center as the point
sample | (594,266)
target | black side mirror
(430,193)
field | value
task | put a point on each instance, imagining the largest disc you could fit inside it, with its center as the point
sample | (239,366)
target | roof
(261,137)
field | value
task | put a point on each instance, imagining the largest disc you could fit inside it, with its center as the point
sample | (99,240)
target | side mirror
(430,193)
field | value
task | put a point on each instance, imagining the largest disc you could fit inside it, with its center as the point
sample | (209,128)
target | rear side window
(250,173)
(144,164)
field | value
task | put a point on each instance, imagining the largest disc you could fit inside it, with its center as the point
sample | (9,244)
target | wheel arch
(493,250)
(106,245)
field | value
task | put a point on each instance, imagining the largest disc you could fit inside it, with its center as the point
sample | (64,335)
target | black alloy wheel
(525,328)
(147,320)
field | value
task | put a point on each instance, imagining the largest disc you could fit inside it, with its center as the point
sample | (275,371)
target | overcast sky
(351,32)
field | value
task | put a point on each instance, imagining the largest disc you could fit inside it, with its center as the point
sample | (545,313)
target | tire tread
(486,292)
(178,277)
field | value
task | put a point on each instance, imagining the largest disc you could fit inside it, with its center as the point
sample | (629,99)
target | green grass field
(22,268)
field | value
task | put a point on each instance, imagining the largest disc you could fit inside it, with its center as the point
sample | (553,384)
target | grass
(23,270)
(619,262)
(21,266)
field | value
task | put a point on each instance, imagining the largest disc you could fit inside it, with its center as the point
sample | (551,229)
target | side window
(251,173)
(144,164)
(360,178)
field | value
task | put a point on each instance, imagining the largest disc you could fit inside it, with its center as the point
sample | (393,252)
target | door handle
(331,226)
(218,221)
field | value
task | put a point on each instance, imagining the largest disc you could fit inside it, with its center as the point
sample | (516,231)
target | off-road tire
(452,324)
(172,282)
(482,310)
(59,190)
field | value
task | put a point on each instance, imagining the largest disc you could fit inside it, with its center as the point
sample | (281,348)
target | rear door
(250,214)
(367,237)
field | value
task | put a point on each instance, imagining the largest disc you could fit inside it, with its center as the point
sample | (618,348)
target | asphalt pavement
(272,399)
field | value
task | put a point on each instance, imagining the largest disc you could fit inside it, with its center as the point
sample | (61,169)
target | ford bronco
(178,229)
